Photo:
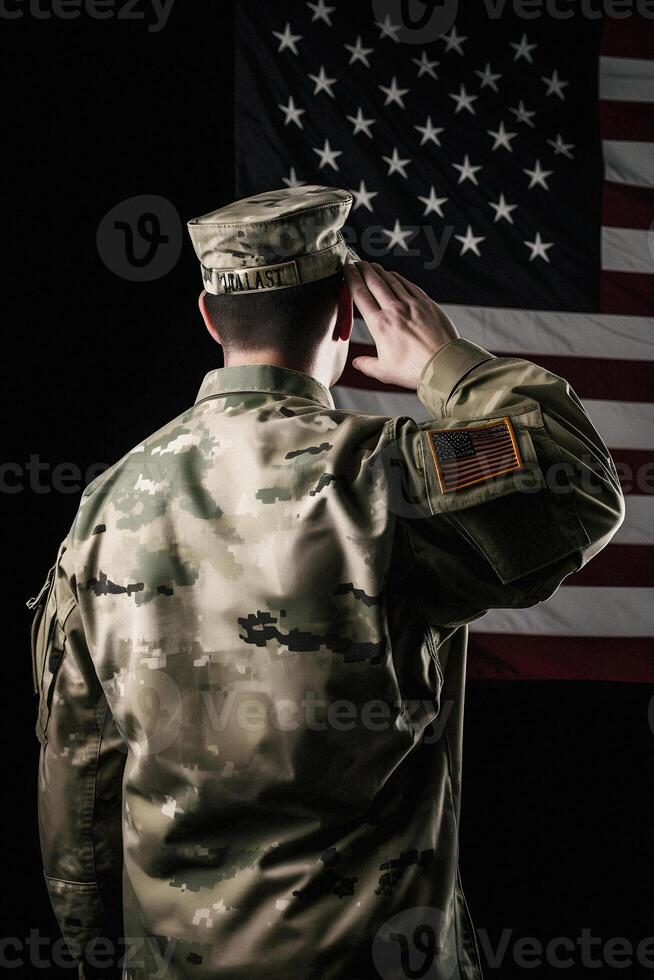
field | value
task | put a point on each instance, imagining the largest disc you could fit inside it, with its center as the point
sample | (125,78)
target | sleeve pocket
(517,520)
(78,907)
(48,642)
(467,463)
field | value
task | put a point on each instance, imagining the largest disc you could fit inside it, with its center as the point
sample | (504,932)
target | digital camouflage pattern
(250,660)
(273,240)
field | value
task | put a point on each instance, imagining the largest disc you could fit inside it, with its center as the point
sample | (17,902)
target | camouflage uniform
(250,657)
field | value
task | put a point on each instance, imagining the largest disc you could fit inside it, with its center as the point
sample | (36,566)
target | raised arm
(510,487)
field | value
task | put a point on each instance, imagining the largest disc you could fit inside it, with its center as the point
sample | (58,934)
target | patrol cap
(274,240)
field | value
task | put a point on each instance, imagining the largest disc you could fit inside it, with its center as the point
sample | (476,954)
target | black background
(556,826)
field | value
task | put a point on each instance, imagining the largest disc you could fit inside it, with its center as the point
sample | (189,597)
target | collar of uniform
(264,377)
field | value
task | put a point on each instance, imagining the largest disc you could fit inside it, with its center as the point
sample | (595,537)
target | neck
(270,356)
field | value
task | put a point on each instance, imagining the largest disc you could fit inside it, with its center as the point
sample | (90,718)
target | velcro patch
(250,280)
(470,455)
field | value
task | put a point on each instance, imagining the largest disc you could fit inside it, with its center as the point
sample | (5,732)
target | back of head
(293,321)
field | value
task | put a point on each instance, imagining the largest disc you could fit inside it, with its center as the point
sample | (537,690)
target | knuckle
(401,309)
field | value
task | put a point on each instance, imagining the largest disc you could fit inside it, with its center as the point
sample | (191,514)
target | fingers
(391,280)
(363,298)
(415,292)
(369,366)
(379,284)
(374,288)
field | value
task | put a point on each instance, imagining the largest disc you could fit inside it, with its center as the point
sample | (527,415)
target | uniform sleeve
(80,769)
(513,487)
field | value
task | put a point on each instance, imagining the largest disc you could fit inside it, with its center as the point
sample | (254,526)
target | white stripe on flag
(626,80)
(629,162)
(533,332)
(622,425)
(627,249)
(578,611)
(638,526)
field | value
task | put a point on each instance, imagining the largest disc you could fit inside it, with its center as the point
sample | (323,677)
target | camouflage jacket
(250,660)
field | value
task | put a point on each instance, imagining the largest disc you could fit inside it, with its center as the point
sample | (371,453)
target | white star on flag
(425,65)
(429,132)
(361,124)
(397,236)
(488,78)
(433,203)
(388,29)
(537,176)
(539,248)
(363,197)
(560,147)
(466,170)
(393,93)
(501,138)
(321,12)
(292,113)
(523,49)
(522,114)
(503,209)
(453,41)
(328,156)
(555,85)
(395,165)
(292,180)
(287,40)
(358,52)
(463,100)
(469,242)
(323,83)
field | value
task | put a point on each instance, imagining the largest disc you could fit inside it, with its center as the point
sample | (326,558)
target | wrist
(445,369)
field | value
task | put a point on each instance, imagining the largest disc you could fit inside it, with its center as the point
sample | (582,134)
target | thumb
(369,366)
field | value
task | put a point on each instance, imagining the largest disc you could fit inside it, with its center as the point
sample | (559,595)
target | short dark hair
(291,321)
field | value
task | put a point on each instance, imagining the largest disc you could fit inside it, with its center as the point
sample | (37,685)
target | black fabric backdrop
(555,835)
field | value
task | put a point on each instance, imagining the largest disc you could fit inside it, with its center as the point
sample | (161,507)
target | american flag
(507,167)
(467,456)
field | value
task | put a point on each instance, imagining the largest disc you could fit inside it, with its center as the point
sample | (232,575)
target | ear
(207,318)
(345,314)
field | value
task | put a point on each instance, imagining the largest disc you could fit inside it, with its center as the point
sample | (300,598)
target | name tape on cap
(252,280)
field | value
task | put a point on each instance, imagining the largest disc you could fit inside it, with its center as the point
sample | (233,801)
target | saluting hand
(406,325)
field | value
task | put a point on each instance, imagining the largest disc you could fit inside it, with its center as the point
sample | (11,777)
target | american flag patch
(466,456)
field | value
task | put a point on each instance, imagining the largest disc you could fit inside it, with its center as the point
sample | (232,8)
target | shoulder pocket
(515,518)
(48,644)
(470,462)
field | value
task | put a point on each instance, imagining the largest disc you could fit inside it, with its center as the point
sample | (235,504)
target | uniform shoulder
(370,422)
(130,468)
(175,427)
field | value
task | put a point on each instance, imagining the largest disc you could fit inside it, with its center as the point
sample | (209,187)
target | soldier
(250,652)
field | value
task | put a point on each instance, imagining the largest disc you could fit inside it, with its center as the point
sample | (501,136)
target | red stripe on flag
(602,377)
(591,377)
(636,470)
(627,207)
(627,293)
(631,37)
(517,657)
(626,121)
(459,469)
(619,566)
